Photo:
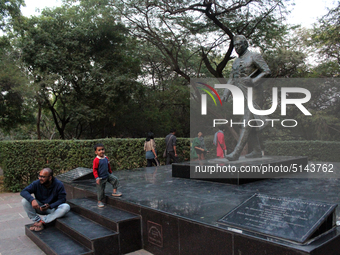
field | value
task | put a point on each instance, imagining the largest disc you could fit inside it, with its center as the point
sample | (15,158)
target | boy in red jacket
(102,173)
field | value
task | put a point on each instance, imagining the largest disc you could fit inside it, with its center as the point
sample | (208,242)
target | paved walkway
(13,240)
(13,218)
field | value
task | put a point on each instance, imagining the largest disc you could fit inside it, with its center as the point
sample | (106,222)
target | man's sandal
(39,227)
(32,227)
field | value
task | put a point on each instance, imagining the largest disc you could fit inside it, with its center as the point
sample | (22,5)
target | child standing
(102,173)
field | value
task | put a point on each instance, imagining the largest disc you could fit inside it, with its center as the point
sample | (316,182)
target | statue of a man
(246,71)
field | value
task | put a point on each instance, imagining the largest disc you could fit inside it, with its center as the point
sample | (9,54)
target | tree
(81,64)
(9,13)
(205,27)
(15,107)
(325,104)
(287,52)
(195,38)
(326,35)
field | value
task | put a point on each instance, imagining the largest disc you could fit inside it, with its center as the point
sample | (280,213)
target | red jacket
(101,167)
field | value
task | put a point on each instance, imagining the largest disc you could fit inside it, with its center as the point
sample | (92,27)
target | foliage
(22,160)
(325,38)
(21,168)
(323,124)
(107,68)
(314,150)
(83,67)
(326,35)
(205,27)
(194,39)
(15,105)
(10,13)
(288,58)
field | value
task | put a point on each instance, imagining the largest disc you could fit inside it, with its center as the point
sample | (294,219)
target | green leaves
(22,160)
(82,63)
(10,13)
(326,35)
(14,105)
(326,151)
(190,34)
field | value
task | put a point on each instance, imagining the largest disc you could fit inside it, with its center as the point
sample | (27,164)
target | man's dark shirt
(54,195)
(170,144)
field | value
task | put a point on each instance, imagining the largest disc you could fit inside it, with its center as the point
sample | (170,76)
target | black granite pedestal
(181,216)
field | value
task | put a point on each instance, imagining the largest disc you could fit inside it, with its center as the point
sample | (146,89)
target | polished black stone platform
(127,224)
(242,171)
(54,241)
(87,229)
(180,216)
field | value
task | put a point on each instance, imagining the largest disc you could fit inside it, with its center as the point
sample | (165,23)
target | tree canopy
(205,27)
(9,13)
(15,108)
(83,66)
(108,68)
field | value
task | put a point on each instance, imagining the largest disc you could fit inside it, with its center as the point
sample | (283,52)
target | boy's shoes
(100,204)
(117,194)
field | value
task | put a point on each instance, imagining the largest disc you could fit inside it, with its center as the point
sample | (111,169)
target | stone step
(53,241)
(127,224)
(89,233)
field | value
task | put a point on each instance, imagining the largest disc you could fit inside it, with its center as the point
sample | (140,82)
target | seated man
(49,199)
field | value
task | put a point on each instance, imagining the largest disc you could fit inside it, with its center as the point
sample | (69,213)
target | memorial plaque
(155,234)
(293,220)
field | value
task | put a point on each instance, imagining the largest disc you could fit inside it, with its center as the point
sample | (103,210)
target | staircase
(87,229)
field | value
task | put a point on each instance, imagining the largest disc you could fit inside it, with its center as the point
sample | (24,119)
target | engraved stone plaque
(155,234)
(294,220)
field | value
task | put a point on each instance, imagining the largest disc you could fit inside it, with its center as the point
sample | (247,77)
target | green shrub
(314,150)
(22,160)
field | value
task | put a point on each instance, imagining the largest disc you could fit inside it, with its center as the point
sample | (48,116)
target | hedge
(22,160)
(327,151)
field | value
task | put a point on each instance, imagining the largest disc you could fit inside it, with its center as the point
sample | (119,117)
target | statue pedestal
(188,216)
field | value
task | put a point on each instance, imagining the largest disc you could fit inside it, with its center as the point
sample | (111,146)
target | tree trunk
(38,121)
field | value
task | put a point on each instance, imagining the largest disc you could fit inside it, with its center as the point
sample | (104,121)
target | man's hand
(98,181)
(44,207)
(247,81)
(35,204)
